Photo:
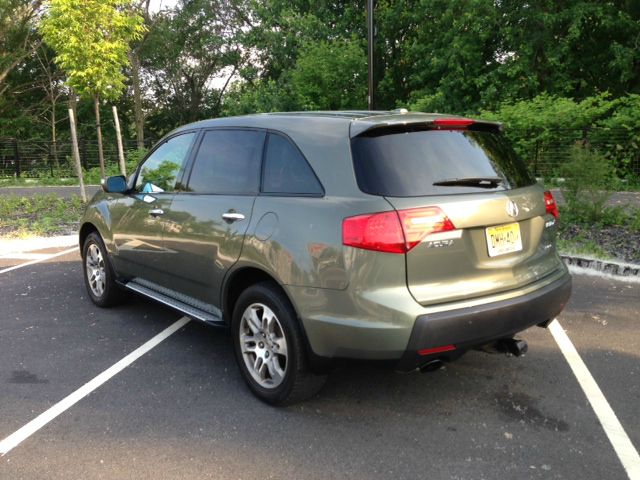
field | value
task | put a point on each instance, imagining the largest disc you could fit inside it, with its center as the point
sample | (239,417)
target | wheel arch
(244,277)
(84,232)
(239,280)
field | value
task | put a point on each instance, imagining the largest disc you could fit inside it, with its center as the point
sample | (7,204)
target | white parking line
(41,420)
(26,264)
(625,450)
(23,256)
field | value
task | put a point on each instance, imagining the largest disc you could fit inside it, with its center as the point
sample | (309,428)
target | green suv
(319,236)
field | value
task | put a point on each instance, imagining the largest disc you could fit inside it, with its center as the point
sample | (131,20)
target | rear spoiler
(387,124)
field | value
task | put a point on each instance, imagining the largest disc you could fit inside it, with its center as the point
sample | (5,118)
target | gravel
(620,243)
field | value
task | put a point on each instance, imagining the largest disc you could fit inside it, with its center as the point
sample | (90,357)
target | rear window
(407,164)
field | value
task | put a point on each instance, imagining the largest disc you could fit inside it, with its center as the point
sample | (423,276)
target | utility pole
(370,40)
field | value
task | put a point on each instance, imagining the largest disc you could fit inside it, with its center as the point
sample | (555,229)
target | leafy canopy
(91,39)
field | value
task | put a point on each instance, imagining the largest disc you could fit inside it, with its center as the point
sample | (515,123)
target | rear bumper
(466,328)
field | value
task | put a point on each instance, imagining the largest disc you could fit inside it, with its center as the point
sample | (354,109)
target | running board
(189,310)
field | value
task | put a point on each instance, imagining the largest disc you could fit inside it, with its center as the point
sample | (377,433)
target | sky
(157,5)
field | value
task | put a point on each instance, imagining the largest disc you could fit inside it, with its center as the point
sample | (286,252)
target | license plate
(503,239)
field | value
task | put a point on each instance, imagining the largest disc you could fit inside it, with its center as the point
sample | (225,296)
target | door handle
(232,216)
(156,212)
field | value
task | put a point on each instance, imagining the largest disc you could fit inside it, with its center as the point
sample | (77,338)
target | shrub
(133,157)
(590,179)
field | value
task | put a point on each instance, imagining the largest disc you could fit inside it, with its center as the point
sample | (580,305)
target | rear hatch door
(499,236)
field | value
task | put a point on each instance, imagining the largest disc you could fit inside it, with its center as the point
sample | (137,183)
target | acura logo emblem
(512,209)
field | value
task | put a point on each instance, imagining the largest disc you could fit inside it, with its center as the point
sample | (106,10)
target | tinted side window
(228,162)
(286,170)
(159,172)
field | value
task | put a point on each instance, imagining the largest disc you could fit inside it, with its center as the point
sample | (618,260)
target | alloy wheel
(263,345)
(95,267)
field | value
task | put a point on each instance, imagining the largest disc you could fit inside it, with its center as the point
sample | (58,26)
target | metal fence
(36,158)
(545,158)
(41,158)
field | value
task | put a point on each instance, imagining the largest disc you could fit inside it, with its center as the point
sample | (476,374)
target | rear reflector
(453,122)
(550,204)
(431,351)
(394,231)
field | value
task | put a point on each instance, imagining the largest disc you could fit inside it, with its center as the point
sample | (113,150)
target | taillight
(394,232)
(377,231)
(550,204)
(453,122)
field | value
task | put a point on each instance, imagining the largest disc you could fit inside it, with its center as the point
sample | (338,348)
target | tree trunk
(137,98)
(76,154)
(54,143)
(96,106)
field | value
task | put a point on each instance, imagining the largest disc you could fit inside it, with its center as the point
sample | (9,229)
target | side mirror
(115,184)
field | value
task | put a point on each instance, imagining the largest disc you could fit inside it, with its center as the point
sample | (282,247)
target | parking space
(182,411)
(603,323)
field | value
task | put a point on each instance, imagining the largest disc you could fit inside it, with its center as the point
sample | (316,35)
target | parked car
(317,236)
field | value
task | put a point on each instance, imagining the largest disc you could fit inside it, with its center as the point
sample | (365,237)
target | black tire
(110,293)
(297,383)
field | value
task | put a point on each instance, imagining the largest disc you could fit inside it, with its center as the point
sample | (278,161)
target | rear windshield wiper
(481,182)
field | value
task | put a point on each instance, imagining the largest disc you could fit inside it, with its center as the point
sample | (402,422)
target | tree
(51,84)
(91,39)
(18,38)
(474,54)
(187,49)
(331,75)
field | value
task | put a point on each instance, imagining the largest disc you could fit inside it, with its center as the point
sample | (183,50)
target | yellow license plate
(503,239)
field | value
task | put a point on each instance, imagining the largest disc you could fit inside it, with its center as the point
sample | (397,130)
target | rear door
(500,237)
(206,223)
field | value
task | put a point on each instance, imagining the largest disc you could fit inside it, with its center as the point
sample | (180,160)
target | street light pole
(370,40)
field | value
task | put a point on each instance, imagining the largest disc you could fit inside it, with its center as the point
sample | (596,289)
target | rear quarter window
(286,171)
(407,164)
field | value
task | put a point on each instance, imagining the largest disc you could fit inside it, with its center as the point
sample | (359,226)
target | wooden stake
(76,154)
(123,168)
(96,106)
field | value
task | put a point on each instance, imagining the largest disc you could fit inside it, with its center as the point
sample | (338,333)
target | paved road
(61,191)
(182,411)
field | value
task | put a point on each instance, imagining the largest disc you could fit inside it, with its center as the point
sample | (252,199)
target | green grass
(39,215)
(37,182)
(582,247)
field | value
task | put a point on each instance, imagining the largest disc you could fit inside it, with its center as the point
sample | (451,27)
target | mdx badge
(512,209)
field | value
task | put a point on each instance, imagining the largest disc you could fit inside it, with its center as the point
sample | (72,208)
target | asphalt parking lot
(182,411)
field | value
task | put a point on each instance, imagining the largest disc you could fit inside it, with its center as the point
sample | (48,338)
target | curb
(11,246)
(609,267)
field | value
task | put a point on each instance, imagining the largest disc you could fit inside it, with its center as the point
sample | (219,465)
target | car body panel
(377,323)
(454,265)
(298,240)
(201,246)
(138,236)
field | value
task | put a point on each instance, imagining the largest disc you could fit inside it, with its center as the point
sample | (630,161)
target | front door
(139,227)
(206,223)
